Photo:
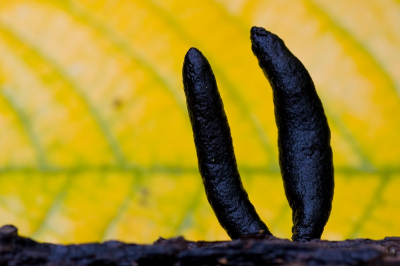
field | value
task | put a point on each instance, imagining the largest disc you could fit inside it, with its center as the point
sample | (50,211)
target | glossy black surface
(216,158)
(305,154)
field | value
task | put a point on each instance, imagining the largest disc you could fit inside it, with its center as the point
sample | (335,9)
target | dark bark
(256,250)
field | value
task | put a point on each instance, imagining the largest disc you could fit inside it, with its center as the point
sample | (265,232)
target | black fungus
(305,154)
(216,158)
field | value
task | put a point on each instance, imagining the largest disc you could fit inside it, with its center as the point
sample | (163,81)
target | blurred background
(95,140)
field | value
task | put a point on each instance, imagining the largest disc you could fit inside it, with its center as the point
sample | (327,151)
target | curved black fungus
(305,154)
(216,158)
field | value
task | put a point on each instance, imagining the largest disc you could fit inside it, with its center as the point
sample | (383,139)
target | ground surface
(16,250)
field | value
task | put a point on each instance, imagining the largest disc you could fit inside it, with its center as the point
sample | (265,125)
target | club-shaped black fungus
(305,154)
(216,158)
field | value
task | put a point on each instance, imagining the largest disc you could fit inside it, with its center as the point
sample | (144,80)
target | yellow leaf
(96,142)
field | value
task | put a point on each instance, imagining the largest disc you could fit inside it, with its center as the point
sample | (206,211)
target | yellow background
(95,140)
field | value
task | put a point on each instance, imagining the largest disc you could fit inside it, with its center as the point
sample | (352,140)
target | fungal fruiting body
(305,154)
(216,158)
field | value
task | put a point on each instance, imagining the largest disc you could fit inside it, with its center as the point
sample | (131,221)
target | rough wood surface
(265,250)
